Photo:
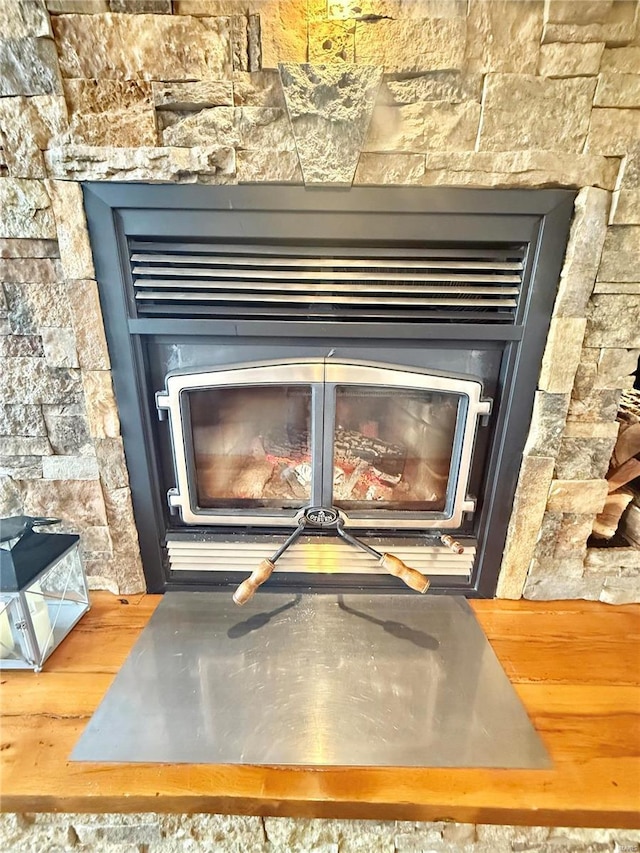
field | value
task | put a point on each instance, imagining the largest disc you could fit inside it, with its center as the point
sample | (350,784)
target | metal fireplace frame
(323,376)
(538,219)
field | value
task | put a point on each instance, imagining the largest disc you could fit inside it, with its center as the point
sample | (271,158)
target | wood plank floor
(576,666)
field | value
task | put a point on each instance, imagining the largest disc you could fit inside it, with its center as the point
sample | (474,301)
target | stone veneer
(205,833)
(482,93)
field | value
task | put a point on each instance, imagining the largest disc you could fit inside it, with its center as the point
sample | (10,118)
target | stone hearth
(382,92)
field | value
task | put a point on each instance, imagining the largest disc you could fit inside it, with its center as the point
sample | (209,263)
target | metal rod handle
(247,588)
(257,577)
(412,577)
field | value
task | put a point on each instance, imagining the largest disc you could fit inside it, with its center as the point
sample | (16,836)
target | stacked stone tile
(160,833)
(488,93)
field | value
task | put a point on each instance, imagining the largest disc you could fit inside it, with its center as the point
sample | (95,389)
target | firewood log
(606,523)
(624,474)
(630,524)
(627,444)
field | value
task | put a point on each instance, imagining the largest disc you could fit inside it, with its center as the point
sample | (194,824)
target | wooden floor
(576,666)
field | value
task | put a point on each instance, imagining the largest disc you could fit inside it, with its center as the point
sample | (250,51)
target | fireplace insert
(369,354)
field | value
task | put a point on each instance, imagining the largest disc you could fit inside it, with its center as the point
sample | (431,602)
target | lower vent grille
(309,556)
(283,282)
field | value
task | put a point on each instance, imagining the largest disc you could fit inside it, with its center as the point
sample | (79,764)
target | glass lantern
(43,591)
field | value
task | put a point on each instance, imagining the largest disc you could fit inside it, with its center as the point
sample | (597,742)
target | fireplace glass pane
(252,446)
(393,448)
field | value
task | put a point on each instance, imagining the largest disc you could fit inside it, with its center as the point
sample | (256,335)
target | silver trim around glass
(322,375)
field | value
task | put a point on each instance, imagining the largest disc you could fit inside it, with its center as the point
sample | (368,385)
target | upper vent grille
(329,283)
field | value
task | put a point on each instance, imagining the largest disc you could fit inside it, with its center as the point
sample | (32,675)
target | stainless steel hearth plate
(324,680)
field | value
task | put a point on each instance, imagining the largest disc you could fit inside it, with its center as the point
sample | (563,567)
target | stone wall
(485,93)
(204,833)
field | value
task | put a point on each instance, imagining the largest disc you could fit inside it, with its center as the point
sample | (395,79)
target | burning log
(352,447)
(277,465)
(366,467)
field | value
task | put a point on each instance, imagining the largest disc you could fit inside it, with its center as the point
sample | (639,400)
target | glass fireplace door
(257,443)
(252,446)
(398,444)
(246,442)
(393,448)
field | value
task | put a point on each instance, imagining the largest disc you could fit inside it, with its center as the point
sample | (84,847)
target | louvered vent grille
(285,282)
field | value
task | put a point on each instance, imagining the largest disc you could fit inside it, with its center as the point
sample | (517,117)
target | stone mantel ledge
(215,165)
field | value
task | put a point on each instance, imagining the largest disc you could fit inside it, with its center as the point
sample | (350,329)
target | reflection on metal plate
(321,680)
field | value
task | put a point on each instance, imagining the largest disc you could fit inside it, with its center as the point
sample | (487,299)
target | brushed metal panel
(242,275)
(278,285)
(184,296)
(320,680)
(237,259)
(315,251)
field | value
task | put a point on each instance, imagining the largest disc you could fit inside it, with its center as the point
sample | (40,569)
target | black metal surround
(536,219)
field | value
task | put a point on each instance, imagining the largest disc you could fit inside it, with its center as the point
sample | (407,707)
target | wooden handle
(412,577)
(257,577)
